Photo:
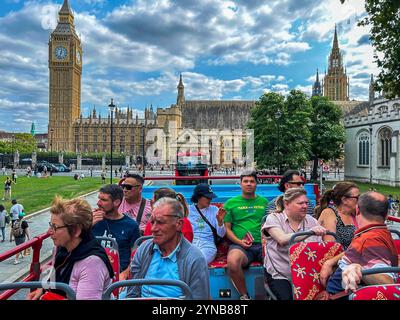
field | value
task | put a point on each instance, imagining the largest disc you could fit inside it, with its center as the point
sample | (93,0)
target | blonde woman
(290,217)
(80,260)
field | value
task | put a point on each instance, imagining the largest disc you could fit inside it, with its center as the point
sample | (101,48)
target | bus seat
(306,260)
(378,292)
(113,256)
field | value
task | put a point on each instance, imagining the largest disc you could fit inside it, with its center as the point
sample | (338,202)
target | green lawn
(36,194)
(364,187)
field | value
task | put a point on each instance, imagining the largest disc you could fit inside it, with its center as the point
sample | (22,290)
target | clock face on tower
(60,52)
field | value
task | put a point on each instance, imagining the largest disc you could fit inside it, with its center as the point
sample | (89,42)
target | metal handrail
(35,267)
(309,234)
(208,177)
(140,240)
(187,292)
(71,295)
(395,231)
(395,219)
(380,270)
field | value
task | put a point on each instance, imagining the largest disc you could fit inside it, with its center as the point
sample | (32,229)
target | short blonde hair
(75,212)
(289,195)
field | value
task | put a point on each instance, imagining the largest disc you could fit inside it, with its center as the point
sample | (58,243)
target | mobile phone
(249,237)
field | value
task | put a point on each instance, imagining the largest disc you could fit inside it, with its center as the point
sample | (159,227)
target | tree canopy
(23,142)
(281,132)
(328,134)
(384,18)
(290,131)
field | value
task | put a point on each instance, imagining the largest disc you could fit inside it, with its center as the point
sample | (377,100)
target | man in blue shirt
(108,222)
(169,256)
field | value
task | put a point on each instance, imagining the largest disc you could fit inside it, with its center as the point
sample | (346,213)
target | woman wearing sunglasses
(337,211)
(79,261)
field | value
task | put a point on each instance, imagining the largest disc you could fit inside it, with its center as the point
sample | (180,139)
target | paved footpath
(38,224)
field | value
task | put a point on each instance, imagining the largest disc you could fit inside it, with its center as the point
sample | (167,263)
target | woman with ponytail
(337,210)
(187,229)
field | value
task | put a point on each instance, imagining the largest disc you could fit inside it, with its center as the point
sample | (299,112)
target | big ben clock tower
(65,65)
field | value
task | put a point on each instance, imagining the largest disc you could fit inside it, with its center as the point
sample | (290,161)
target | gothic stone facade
(70,131)
(372,149)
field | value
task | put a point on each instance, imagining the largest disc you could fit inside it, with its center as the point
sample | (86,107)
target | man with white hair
(169,256)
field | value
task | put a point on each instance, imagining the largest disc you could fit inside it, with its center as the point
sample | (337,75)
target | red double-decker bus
(191,164)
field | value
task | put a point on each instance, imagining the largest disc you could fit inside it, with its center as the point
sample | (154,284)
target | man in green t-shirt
(243,218)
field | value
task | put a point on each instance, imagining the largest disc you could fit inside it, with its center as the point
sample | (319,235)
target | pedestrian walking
(7,189)
(14,176)
(20,233)
(15,211)
(3,221)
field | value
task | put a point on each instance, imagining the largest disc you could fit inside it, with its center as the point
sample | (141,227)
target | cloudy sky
(134,51)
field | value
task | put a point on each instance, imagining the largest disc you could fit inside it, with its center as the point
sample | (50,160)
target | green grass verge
(364,187)
(36,194)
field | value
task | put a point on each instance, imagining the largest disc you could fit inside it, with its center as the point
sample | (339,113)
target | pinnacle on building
(336,81)
(317,89)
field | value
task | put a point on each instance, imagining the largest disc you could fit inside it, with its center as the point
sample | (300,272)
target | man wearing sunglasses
(169,256)
(133,204)
(290,179)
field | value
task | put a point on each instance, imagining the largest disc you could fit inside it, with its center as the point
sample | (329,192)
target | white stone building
(372,151)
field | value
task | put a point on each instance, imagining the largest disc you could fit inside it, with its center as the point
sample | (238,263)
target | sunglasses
(129,186)
(354,197)
(299,183)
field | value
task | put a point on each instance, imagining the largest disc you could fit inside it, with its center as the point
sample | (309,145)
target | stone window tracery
(363,149)
(385,147)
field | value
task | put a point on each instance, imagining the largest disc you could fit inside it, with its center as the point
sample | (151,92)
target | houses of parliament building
(69,131)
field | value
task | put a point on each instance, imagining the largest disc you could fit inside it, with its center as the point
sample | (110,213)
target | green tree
(384,18)
(328,133)
(281,133)
(23,142)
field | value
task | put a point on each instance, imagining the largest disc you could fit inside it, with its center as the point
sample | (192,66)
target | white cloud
(136,51)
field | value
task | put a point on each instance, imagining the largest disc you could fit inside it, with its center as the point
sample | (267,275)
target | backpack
(17,229)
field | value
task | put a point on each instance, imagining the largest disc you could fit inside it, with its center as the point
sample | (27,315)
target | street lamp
(112,108)
(12,151)
(210,151)
(143,162)
(278,117)
(51,144)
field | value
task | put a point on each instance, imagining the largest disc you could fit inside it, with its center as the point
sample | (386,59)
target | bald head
(373,206)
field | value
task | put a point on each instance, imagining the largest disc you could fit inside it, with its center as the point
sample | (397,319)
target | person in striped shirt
(371,247)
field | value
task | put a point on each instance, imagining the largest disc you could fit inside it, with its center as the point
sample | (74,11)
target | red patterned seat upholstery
(306,260)
(220,260)
(113,256)
(377,292)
